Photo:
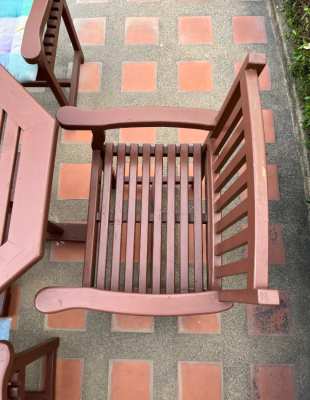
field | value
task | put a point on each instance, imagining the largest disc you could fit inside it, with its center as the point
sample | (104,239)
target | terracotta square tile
(264,79)
(276,245)
(91,31)
(192,136)
(208,323)
(249,29)
(74,181)
(195,30)
(195,76)
(14,306)
(70,319)
(139,76)
(273,382)
(130,379)
(269,320)
(132,323)
(69,379)
(270,135)
(90,77)
(200,381)
(273,182)
(141,30)
(137,135)
(76,137)
(67,252)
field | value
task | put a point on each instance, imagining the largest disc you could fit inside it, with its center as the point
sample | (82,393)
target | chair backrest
(27,149)
(237,188)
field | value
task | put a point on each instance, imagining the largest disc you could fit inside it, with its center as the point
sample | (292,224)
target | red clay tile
(90,77)
(249,29)
(70,319)
(137,135)
(139,77)
(273,182)
(195,30)
(141,30)
(209,323)
(132,323)
(195,76)
(269,320)
(14,306)
(67,252)
(77,137)
(200,381)
(270,135)
(91,31)
(264,78)
(273,382)
(130,380)
(191,136)
(69,379)
(74,181)
(276,245)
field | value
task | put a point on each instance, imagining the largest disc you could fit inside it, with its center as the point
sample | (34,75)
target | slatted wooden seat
(40,44)
(13,370)
(151,193)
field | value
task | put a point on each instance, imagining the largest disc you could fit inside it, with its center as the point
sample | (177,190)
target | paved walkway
(176,52)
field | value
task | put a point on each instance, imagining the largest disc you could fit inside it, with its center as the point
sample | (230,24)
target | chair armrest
(130,117)
(32,40)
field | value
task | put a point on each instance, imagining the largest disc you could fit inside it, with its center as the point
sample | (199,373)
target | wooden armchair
(40,47)
(13,371)
(230,165)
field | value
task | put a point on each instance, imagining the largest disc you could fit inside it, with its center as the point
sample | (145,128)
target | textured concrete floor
(246,353)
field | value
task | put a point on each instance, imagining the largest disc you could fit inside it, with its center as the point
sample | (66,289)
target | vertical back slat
(197,218)
(118,217)
(157,218)
(171,219)
(144,217)
(8,153)
(105,211)
(132,191)
(184,217)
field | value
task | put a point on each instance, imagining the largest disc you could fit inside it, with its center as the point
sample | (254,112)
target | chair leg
(72,32)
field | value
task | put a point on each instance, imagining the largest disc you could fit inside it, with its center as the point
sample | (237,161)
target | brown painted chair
(160,280)
(40,47)
(13,371)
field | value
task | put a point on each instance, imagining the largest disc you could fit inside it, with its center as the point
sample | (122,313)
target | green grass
(297,13)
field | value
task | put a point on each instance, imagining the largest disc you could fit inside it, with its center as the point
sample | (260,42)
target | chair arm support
(32,40)
(129,117)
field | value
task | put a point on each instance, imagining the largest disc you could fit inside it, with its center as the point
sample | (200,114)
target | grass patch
(297,13)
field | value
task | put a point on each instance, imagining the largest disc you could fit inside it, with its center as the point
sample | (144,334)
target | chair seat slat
(130,237)
(118,218)
(105,211)
(170,276)
(144,233)
(156,265)
(198,219)
(184,218)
